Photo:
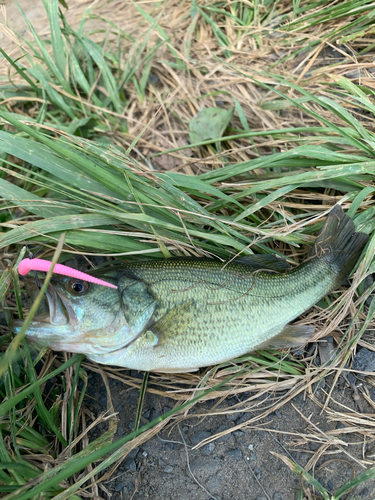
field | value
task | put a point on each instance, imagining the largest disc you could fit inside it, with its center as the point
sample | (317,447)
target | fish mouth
(54,310)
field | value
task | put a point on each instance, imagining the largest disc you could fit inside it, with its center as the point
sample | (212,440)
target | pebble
(214,485)
(297,351)
(131,486)
(257,472)
(330,484)
(133,453)
(153,79)
(299,398)
(146,414)
(169,469)
(154,414)
(204,465)
(120,486)
(103,400)
(208,448)
(234,454)
(200,436)
(226,437)
(340,425)
(365,492)
(354,74)
(333,50)
(304,457)
(277,496)
(261,498)
(130,465)
(238,433)
(170,446)
(244,418)
(234,416)
(364,361)
(311,349)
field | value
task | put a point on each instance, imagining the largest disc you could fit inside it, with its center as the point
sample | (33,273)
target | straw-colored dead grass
(191,71)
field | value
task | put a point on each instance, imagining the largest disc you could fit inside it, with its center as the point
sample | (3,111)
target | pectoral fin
(290,336)
(174,323)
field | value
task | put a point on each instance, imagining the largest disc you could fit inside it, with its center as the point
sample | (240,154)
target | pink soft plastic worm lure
(27,265)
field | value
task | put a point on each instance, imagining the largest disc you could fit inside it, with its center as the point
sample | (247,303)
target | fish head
(80,317)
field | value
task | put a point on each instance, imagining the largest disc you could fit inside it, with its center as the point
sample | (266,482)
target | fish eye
(78,287)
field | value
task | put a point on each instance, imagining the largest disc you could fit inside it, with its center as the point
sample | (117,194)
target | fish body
(178,315)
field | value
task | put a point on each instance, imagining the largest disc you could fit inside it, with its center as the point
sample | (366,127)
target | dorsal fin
(264,261)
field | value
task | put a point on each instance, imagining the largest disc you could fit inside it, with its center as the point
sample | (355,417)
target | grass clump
(99,149)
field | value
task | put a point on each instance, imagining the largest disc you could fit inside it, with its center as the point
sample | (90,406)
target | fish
(182,314)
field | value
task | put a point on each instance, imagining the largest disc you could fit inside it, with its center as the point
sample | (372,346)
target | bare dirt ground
(240,463)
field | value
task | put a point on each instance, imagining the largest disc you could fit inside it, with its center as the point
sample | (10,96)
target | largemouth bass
(181,314)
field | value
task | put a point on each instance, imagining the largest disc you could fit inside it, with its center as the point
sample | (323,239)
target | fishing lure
(31,264)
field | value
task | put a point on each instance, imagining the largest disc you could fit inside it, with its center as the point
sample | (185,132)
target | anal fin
(290,336)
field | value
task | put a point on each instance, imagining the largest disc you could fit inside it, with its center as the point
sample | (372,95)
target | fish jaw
(63,338)
(54,319)
(46,334)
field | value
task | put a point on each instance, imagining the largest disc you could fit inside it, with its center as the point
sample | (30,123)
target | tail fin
(338,242)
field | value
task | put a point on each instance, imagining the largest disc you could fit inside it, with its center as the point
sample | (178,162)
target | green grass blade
(28,201)
(5,281)
(305,475)
(20,71)
(159,29)
(364,476)
(10,403)
(45,56)
(58,45)
(40,408)
(109,80)
(141,398)
(46,226)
